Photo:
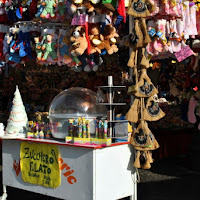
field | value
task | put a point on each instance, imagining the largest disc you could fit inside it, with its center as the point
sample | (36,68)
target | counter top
(53,141)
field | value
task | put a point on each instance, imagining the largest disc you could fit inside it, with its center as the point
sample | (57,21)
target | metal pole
(110,84)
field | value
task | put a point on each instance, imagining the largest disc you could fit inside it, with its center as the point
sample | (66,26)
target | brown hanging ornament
(149,157)
(137,163)
(143,60)
(132,62)
(140,8)
(141,138)
(139,33)
(155,144)
(153,112)
(133,113)
(145,88)
(147,164)
(143,26)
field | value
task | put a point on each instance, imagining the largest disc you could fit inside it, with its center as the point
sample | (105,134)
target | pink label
(79,20)
(184,53)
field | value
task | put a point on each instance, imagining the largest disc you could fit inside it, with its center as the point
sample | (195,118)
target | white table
(102,173)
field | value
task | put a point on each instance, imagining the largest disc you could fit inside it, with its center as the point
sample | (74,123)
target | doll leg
(44,13)
(39,54)
(52,13)
(46,54)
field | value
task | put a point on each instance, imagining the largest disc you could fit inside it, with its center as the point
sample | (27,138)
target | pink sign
(184,53)
(79,20)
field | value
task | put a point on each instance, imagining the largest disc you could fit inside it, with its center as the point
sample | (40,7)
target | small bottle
(100,129)
(41,133)
(80,131)
(105,127)
(84,128)
(37,135)
(88,128)
(70,128)
(75,127)
(96,128)
(48,134)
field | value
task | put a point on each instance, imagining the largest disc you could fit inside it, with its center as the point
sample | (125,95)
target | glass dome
(71,104)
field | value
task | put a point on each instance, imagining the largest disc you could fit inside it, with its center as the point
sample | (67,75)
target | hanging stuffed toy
(152,112)
(61,8)
(49,48)
(49,6)
(38,48)
(79,41)
(110,36)
(96,39)
(145,88)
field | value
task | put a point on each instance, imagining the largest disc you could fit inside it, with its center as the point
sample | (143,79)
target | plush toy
(110,36)
(79,41)
(86,5)
(75,4)
(61,7)
(38,47)
(49,6)
(64,51)
(96,39)
(49,48)
(92,5)
(40,8)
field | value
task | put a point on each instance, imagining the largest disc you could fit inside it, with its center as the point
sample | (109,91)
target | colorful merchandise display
(50,48)
(79,132)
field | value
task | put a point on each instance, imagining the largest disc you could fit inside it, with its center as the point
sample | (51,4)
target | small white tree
(18,121)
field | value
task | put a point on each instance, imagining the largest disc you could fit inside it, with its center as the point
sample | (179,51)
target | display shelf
(112,104)
(117,121)
(110,90)
(113,87)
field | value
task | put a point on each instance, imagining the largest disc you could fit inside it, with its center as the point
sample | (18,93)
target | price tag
(79,20)
(184,53)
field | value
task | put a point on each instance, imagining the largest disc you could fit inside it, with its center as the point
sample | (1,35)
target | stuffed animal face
(36,39)
(110,32)
(79,32)
(95,30)
(49,38)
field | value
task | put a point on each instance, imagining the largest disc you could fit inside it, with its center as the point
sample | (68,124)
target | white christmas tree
(18,121)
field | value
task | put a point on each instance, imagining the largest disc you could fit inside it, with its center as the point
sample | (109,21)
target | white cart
(102,173)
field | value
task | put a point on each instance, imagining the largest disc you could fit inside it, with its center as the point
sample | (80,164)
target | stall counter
(87,172)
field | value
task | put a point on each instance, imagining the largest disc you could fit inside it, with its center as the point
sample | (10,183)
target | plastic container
(71,104)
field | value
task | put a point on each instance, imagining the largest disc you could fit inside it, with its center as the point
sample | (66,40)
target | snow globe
(72,104)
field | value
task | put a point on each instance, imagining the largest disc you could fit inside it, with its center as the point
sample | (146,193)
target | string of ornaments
(142,110)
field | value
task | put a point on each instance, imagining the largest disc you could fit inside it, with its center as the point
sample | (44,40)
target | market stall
(65,159)
(97,78)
